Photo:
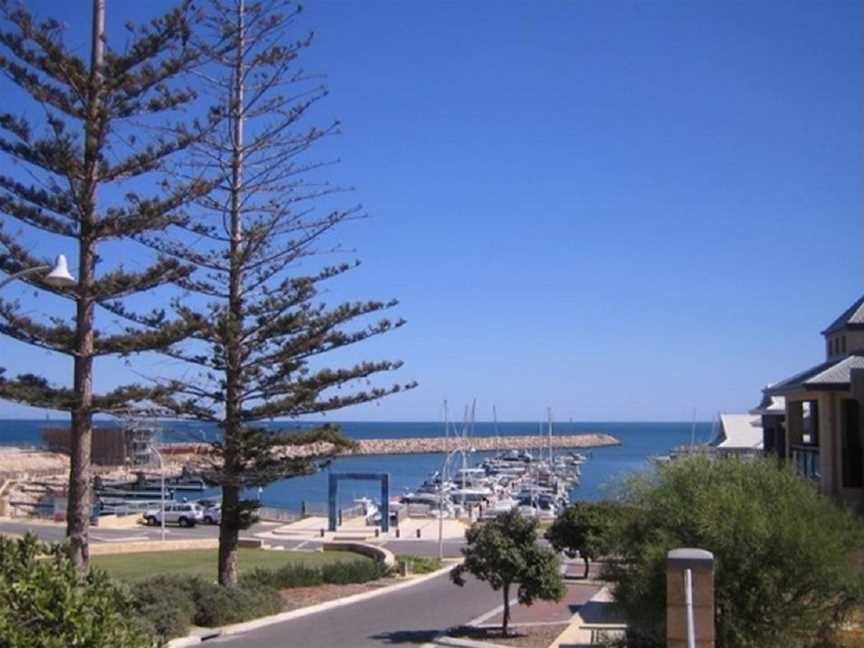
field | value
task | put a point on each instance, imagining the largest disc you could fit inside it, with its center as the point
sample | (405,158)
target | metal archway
(333,492)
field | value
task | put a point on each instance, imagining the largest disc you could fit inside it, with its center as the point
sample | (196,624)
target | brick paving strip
(534,626)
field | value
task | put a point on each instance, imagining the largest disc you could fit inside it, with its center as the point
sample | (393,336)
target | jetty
(517,442)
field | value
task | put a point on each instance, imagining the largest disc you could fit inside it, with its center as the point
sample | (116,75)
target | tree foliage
(258,350)
(785,556)
(504,552)
(583,527)
(46,603)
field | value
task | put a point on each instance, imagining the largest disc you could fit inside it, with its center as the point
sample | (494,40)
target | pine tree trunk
(229,534)
(505,624)
(229,530)
(79,503)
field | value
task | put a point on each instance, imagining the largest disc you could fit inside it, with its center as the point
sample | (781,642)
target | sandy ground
(18,461)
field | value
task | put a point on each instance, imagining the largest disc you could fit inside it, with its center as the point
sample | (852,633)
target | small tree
(504,552)
(582,528)
(46,603)
(784,554)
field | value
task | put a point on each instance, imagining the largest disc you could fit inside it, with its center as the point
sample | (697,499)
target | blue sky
(623,211)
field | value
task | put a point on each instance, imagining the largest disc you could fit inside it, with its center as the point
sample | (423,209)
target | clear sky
(621,210)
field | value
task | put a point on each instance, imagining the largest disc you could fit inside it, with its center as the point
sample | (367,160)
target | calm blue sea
(639,441)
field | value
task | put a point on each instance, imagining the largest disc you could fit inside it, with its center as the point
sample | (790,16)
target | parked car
(185,514)
(213,514)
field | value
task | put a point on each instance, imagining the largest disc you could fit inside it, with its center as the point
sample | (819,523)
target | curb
(238,628)
(456,642)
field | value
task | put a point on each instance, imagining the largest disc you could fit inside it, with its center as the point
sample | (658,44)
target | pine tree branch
(145,339)
(118,283)
(60,337)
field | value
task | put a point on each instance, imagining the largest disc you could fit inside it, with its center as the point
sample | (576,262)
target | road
(57,532)
(410,616)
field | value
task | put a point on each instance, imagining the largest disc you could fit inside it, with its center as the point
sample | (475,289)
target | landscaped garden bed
(174,591)
(528,636)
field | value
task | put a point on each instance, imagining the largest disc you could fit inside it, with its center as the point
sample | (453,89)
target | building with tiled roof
(813,418)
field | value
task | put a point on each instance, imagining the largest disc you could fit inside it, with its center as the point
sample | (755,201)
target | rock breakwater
(441,444)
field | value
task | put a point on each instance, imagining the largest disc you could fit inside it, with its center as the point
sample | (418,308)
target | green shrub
(46,603)
(216,605)
(166,604)
(299,575)
(784,567)
(355,571)
(420,564)
(286,577)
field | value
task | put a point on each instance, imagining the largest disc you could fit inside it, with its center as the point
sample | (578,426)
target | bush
(46,603)
(784,566)
(216,605)
(420,564)
(170,604)
(355,571)
(340,573)
(286,577)
(165,603)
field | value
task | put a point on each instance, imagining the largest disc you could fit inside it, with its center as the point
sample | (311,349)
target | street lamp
(57,277)
(162,490)
(441,498)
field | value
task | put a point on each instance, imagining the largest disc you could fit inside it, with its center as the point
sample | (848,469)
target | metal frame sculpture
(333,492)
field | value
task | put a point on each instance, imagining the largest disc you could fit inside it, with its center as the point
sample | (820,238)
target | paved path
(411,616)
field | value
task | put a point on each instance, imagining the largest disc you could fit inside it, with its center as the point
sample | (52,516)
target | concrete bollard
(700,564)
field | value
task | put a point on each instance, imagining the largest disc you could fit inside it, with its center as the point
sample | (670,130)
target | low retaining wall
(370,551)
(117,521)
(150,546)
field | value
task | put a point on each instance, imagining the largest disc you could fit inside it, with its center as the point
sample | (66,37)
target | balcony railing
(806,461)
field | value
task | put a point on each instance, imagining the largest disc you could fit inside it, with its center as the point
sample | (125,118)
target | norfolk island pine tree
(258,353)
(86,135)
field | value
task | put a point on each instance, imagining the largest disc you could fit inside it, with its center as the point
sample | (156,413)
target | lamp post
(441,499)
(57,277)
(162,489)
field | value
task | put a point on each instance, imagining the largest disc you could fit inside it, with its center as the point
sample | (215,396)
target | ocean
(639,442)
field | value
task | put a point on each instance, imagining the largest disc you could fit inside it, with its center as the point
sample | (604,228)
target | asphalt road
(56,533)
(407,617)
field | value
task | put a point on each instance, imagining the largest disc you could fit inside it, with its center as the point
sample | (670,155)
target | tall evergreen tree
(85,135)
(265,331)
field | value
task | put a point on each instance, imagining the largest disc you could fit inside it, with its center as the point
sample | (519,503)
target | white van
(186,514)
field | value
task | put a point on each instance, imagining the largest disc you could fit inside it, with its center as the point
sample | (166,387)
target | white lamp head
(59,276)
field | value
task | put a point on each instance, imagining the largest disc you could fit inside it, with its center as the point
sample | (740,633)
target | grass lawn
(202,562)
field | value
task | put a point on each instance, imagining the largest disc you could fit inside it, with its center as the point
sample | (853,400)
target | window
(843,344)
(853,453)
